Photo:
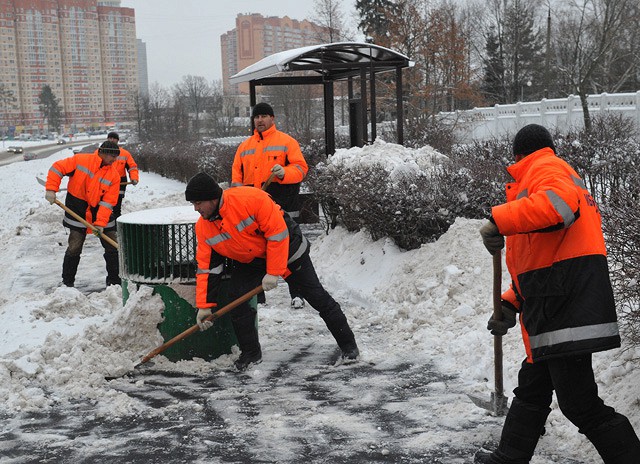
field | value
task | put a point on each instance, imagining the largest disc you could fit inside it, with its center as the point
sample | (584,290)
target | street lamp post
(528,84)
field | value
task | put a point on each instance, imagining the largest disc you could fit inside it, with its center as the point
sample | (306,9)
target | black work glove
(491,237)
(501,327)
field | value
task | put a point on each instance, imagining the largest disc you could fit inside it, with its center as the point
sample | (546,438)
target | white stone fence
(558,114)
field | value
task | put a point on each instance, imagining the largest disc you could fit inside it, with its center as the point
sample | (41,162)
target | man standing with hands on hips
(561,291)
(271,152)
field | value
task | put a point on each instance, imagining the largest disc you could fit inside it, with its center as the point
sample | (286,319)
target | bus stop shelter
(328,63)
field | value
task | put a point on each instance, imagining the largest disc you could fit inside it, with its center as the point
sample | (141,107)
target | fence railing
(558,114)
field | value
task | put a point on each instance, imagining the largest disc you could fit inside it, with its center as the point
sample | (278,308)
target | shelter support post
(363,102)
(329,120)
(399,107)
(372,90)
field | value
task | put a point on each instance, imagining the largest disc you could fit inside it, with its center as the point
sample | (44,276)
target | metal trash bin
(157,248)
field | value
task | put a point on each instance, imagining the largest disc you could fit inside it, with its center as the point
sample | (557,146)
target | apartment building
(85,50)
(143,77)
(256,37)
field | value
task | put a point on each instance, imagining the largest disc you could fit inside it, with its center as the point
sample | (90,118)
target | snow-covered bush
(409,195)
(182,160)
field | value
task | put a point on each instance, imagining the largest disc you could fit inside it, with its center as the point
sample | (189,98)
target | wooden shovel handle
(268,181)
(219,313)
(497,314)
(87,224)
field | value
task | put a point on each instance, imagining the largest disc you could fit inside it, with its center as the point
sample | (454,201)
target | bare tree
(585,38)
(295,112)
(7,102)
(222,109)
(328,14)
(193,91)
(140,102)
(155,113)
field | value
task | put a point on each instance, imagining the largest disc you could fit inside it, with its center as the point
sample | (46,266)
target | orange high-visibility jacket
(91,187)
(125,163)
(556,255)
(249,225)
(259,153)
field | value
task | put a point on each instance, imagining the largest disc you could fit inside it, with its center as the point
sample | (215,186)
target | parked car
(15,149)
(61,141)
(30,156)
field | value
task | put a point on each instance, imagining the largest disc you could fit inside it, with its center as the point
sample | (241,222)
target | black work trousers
(245,277)
(576,390)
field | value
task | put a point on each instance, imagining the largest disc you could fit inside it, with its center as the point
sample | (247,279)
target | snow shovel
(497,403)
(193,329)
(95,231)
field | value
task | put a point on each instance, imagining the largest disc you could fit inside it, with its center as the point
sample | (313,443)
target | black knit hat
(202,187)
(262,108)
(109,148)
(530,138)
(113,135)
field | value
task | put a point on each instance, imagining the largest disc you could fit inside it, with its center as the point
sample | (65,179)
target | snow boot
(522,429)
(616,441)
(337,324)
(248,341)
(69,269)
(113,268)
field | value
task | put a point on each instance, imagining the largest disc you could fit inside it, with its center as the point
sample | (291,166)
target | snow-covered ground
(419,318)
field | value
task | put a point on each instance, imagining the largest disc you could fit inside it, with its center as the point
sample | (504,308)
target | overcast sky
(183,36)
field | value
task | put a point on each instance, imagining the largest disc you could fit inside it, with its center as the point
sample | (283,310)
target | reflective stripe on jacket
(249,225)
(556,256)
(92,191)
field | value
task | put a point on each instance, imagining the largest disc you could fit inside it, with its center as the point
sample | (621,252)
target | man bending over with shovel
(560,287)
(247,226)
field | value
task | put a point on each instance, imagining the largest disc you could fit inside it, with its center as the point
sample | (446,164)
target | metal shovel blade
(496,405)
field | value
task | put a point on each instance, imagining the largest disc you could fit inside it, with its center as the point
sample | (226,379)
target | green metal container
(157,248)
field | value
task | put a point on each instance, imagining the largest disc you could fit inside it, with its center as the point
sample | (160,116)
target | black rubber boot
(616,441)
(113,268)
(248,341)
(522,429)
(339,327)
(69,269)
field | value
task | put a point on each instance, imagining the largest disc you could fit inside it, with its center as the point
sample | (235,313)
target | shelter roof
(334,61)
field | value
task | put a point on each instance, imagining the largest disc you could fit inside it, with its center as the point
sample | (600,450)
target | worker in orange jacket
(245,225)
(92,193)
(123,165)
(561,290)
(269,151)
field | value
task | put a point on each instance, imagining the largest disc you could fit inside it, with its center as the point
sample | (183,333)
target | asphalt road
(40,151)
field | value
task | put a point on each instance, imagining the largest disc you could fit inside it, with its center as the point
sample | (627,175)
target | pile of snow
(395,159)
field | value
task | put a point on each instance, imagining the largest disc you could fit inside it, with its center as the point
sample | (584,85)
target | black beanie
(262,108)
(109,148)
(202,187)
(530,138)
(113,135)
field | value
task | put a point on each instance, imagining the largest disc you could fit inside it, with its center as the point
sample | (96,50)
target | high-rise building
(256,37)
(143,78)
(85,50)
